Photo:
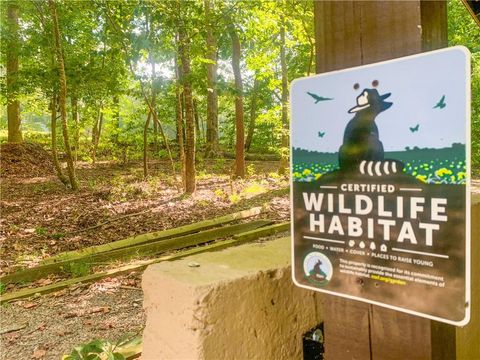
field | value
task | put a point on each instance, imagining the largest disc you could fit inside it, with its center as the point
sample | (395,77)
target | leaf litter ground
(41,218)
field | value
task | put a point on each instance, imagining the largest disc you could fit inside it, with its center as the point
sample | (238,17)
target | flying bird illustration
(441,104)
(413,129)
(318,98)
(321,134)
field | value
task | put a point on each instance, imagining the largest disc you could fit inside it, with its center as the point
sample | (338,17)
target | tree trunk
(76,135)
(63,96)
(239,124)
(53,123)
(190,183)
(154,98)
(253,115)
(197,120)
(211,147)
(117,146)
(283,65)
(12,49)
(96,133)
(179,117)
(145,145)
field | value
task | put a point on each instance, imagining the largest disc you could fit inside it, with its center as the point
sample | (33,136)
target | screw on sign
(379,201)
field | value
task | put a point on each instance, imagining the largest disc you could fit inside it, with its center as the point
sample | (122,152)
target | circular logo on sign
(317,268)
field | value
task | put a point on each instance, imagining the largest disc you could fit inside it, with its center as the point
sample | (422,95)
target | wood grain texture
(468,337)
(396,335)
(351,33)
(389,29)
(346,329)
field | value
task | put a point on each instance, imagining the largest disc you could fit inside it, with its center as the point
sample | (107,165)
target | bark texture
(239,122)
(53,123)
(63,95)
(253,115)
(190,183)
(285,127)
(179,120)
(211,147)
(13,43)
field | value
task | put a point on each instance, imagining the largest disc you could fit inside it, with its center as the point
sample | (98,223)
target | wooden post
(351,33)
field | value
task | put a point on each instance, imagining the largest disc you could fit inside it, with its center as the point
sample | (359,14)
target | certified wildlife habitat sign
(380,184)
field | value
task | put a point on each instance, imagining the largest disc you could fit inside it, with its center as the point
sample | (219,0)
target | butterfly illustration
(321,134)
(413,129)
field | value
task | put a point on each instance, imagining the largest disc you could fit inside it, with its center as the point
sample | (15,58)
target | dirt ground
(40,217)
(56,323)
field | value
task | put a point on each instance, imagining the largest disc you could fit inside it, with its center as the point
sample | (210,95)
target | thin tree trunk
(211,145)
(12,50)
(63,96)
(190,183)
(197,121)
(76,123)
(179,118)
(154,98)
(53,123)
(145,145)
(253,115)
(116,122)
(239,122)
(283,64)
(96,133)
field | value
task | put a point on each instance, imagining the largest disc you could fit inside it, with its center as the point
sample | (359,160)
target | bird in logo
(321,134)
(441,104)
(318,98)
(413,129)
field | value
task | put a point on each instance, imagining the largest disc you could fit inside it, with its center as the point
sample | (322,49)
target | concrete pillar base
(239,303)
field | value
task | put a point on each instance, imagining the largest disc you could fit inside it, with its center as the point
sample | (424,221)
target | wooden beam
(155,236)
(138,266)
(151,248)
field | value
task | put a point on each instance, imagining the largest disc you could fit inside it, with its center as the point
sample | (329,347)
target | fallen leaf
(44,282)
(42,327)
(105,326)
(63,332)
(131,282)
(88,323)
(104,309)
(60,293)
(71,315)
(29,305)
(39,353)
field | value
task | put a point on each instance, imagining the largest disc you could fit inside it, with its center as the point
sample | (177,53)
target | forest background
(127,80)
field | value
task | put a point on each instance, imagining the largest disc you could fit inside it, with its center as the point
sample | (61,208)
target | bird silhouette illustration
(318,98)
(321,134)
(413,129)
(361,139)
(441,104)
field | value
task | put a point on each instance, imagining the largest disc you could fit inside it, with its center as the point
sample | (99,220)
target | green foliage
(250,170)
(78,269)
(95,350)
(462,30)
(3,288)
(109,46)
(40,231)
(58,236)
